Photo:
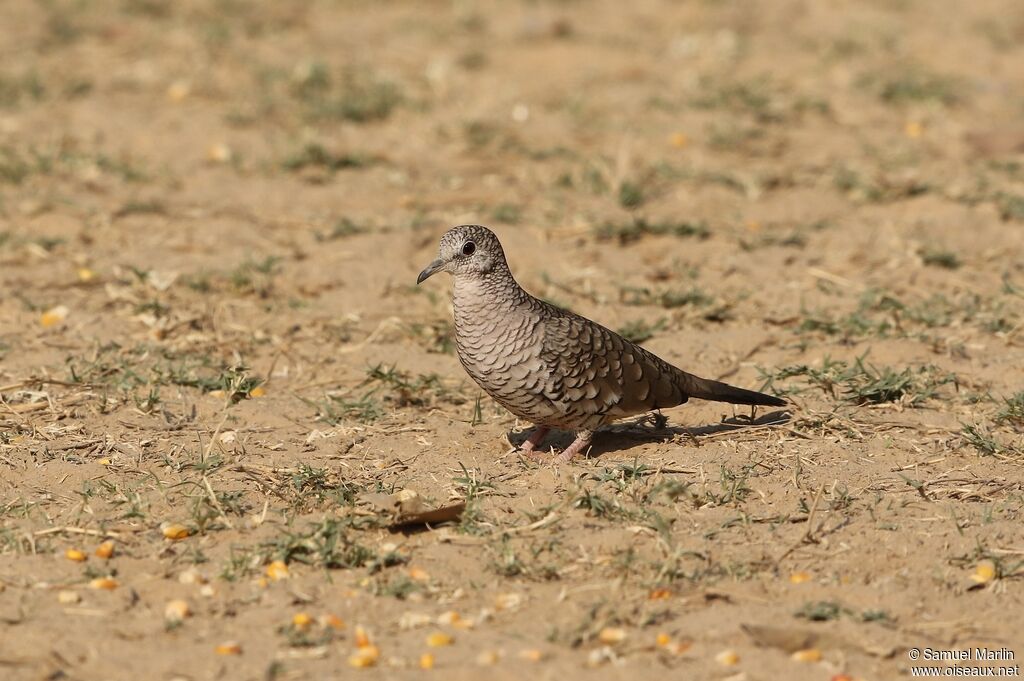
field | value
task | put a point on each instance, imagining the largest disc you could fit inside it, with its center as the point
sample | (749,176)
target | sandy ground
(213,354)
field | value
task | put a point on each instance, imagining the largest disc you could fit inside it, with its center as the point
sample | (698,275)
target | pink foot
(581,442)
(531,444)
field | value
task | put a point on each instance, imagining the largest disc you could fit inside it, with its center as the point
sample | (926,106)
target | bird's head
(465,250)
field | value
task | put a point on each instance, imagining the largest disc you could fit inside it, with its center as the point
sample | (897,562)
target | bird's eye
(468,248)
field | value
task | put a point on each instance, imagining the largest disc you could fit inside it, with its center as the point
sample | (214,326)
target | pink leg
(534,440)
(581,442)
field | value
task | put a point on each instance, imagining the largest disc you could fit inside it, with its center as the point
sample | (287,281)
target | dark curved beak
(432,269)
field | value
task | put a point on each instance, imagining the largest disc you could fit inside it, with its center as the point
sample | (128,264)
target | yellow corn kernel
(365,656)
(913,129)
(107,583)
(85,275)
(663,640)
(301,621)
(332,621)
(984,573)
(277,570)
(176,610)
(174,531)
(75,555)
(258,391)
(449,617)
(361,638)
(418,574)
(727,658)
(678,140)
(439,639)
(228,648)
(659,595)
(799,577)
(53,316)
(105,550)
(807,655)
(426,661)
(532,655)
(611,635)
(678,647)
(508,601)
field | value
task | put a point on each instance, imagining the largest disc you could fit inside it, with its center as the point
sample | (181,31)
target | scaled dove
(550,366)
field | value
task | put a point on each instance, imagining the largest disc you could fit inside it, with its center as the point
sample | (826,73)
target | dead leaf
(407,507)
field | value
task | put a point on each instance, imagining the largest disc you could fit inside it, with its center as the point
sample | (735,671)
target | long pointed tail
(716,391)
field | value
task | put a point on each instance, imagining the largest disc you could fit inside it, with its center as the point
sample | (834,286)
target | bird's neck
(483,294)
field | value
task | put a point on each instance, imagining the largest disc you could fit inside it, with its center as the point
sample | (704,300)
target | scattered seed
(426,661)
(107,583)
(105,550)
(799,577)
(807,655)
(532,655)
(219,153)
(176,611)
(365,656)
(54,316)
(439,639)
(361,638)
(510,601)
(332,621)
(612,635)
(488,658)
(75,555)
(678,647)
(174,531)
(414,620)
(191,576)
(727,658)
(984,573)
(277,570)
(599,656)
(449,617)
(68,597)
(228,648)
(301,621)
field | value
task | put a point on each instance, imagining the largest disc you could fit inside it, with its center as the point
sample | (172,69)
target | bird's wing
(593,371)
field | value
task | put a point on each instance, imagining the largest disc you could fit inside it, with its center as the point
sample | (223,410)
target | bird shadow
(626,435)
